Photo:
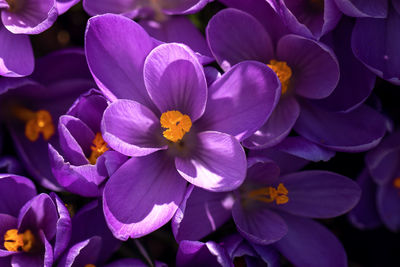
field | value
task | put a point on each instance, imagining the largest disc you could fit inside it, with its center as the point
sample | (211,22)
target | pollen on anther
(283,71)
(176,125)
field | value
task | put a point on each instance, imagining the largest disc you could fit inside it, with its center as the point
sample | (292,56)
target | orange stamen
(176,123)
(396,182)
(13,241)
(283,71)
(90,265)
(270,194)
(98,148)
(36,123)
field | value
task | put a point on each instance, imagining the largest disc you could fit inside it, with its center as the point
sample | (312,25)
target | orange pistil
(36,123)
(283,71)
(176,123)
(98,148)
(270,194)
(13,241)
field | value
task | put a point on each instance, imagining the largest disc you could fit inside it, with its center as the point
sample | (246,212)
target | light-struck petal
(33,17)
(277,127)
(234,36)
(15,191)
(356,8)
(175,80)
(241,100)
(201,210)
(132,129)
(82,253)
(258,224)
(16,54)
(142,196)
(116,57)
(314,66)
(355,131)
(309,244)
(64,5)
(217,163)
(319,194)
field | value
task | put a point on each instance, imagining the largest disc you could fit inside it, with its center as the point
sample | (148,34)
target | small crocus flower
(84,160)
(31,107)
(308,71)
(34,230)
(176,129)
(380,181)
(270,209)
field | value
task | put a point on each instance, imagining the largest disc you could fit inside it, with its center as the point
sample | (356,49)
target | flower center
(270,194)
(283,71)
(176,125)
(90,265)
(98,148)
(396,182)
(13,241)
(36,123)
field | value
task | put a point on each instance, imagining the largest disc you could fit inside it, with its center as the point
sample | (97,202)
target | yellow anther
(283,71)
(98,148)
(270,194)
(13,241)
(176,123)
(36,123)
(396,182)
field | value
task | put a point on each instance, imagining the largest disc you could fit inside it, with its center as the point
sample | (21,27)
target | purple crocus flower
(34,229)
(380,201)
(19,18)
(375,37)
(91,240)
(308,71)
(268,209)
(85,160)
(31,107)
(166,88)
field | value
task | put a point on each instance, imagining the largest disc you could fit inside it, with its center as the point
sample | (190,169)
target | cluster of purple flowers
(156,123)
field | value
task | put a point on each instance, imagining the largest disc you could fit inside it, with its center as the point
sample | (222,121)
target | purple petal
(201,210)
(218,163)
(319,194)
(194,253)
(39,213)
(9,164)
(309,244)
(173,7)
(234,36)
(15,191)
(212,74)
(96,7)
(175,80)
(277,127)
(33,17)
(355,131)
(64,5)
(356,8)
(259,224)
(388,203)
(149,189)
(314,66)
(82,253)
(365,214)
(375,43)
(63,227)
(131,129)
(116,58)
(16,55)
(241,100)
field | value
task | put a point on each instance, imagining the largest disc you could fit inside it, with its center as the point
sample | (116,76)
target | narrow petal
(174,7)
(175,80)
(35,16)
(15,191)
(149,189)
(354,8)
(218,163)
(319,194)
(116,58)
(16,55)
(248,40)
(388,202)
(82,253)
(309,244)
(259,225)
(201,210)
(277,127)
(132,129)
(365,214)
(314,66)
(241,100)
(363,128)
